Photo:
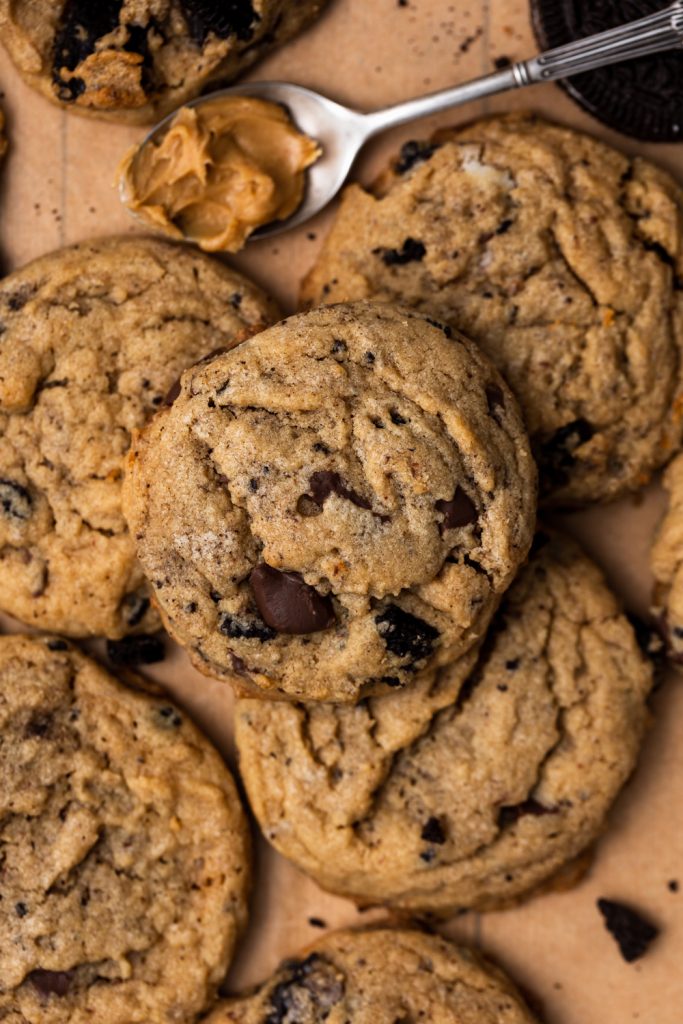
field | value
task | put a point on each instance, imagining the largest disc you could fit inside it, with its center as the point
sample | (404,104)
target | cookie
(137,60)
(380,977)
(642,98)
(91,339)
(124,848)
(666,561)
(481,783)
(3,137)
(334,507)
(563,258)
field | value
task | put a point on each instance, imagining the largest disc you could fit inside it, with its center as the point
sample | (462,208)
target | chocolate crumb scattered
(673,885)
(317,922)
(632,932)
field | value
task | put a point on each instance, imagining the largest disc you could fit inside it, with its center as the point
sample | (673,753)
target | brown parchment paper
(56,187)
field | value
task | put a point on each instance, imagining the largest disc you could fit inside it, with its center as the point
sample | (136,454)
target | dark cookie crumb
(317,922)
(245,629)
(412,251)
(633,933)
(673,885)
(405,635)
(413,152)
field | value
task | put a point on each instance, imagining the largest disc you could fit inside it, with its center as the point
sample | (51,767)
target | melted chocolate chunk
(223,18)
(432,832)
(413,152)
(556,455)
(510,814)
(459,511)
(323,483)
(15,500)
(81,25)
(631,930)
(245,629)
(287,603)
(311,987)
(136,650)
(405,635)
(412,251)
(51,983)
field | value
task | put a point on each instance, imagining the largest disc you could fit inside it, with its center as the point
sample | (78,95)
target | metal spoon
(342,132)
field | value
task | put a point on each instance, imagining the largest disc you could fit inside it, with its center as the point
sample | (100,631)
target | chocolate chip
(512,664)
(432,832)
(136,650)
(396,418)
(134,607)
(556,455)
(15,500)
(631,930)
(172,393)
(503,227)
(508,815)
(236,300)
(245,629)
(413,152)
(287,603)
(309,990)
(428,856)
(412,251)
(223,18)
(405,635)
(20,909)
(459,511)
(168,717)
(51,983)
(494,397)
(38,725)
(502,62)
(322,484)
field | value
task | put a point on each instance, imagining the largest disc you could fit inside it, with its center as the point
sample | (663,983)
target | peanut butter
(221,170)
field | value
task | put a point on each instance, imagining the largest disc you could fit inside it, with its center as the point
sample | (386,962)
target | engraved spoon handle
(652,34)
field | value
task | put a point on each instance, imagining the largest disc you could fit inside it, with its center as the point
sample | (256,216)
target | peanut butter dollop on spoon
(222,169)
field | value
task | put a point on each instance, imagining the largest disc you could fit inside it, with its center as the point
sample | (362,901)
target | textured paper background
(56,188)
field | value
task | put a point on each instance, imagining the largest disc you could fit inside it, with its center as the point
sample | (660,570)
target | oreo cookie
(642,98)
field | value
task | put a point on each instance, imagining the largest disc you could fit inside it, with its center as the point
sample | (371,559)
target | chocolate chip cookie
(666,560)
(136,60)
(91,339)
(335,506)
(563,258)
(124,848)
(380,977)
(482,782)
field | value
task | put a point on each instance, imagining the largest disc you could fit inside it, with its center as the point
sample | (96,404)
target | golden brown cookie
(380,977)
(334,507)
(91,339)
(563,258)
(136,60)
(123,845)
(480,783)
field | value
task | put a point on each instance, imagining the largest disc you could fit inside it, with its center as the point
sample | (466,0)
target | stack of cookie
(438,701)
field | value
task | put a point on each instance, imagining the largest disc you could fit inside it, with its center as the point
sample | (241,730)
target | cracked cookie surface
(136,60)
(666,560)
(91,339)
(334,506)
(562,258)
(479,784)
(123,845)
(380,977)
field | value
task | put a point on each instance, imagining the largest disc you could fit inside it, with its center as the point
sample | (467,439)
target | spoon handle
(652,34)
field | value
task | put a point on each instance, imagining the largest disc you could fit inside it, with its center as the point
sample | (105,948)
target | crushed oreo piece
(310,989)
(412,251)
(81,25)
(245,629)
(633,933)
(287,603)
(405,635)
(15,500)
(413,152)
(168,717)
(144,649)
(556,455)
(223,18)
(508,815)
